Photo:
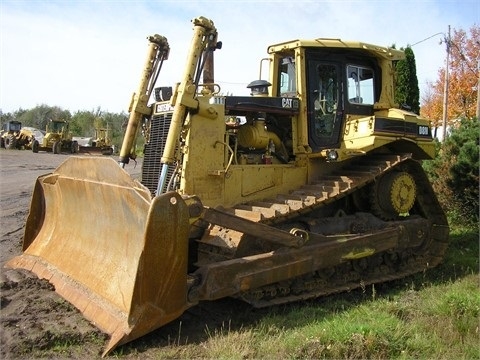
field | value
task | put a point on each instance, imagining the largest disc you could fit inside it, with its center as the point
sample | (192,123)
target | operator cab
(12,126)
(337,83)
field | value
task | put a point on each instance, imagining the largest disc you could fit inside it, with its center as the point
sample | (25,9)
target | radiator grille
(153,152)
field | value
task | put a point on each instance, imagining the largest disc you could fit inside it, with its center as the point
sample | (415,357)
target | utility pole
(445,89)
(446,39)
(478,90)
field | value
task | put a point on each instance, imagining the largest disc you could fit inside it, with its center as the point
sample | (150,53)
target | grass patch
(439,321)
(431,315)
(434,314)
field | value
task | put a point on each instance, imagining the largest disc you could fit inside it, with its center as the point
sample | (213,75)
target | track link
(323,191)
(220,244)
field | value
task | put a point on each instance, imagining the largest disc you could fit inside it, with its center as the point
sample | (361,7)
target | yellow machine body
(14,136)
(57,138)
(311,185)
(100,143)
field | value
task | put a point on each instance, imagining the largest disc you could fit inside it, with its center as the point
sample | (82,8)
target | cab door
(325,105)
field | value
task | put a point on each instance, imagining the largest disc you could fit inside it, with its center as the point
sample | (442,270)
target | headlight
(332,155)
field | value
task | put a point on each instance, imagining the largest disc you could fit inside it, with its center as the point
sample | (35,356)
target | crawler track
(299,205)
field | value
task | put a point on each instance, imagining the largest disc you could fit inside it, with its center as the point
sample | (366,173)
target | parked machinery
(58,138)
(14,136)
(315,187)
(100,143)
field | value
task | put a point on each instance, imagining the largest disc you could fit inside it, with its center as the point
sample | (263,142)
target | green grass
(430,315)
(433,322)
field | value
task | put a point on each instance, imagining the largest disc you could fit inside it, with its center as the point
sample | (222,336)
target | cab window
(360,85)
(288,83)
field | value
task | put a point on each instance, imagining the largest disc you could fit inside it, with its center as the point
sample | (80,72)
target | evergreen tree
(407,91)
(454,173)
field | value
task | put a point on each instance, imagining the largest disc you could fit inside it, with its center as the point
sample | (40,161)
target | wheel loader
(14,136)
(309,186)
(57,138)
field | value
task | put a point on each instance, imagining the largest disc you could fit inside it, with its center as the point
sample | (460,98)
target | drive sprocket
(393,195)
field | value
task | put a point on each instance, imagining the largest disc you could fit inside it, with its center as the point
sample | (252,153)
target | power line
(448,43)
(418,42)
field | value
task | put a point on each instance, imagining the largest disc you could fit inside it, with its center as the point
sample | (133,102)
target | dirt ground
(35,322)
(34,319)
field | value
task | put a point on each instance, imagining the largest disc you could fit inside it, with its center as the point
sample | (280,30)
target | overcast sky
(81,55)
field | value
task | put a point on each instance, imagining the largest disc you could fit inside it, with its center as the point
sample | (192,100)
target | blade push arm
(184,97)
(158,51)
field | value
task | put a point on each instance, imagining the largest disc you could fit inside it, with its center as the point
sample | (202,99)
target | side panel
(260,182)
(203,167)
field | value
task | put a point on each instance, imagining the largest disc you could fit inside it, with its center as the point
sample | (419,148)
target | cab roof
(377,51)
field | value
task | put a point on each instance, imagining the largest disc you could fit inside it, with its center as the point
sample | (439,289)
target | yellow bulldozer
(310,185)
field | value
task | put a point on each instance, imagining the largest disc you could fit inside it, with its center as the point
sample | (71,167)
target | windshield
(56,126)
(15,126)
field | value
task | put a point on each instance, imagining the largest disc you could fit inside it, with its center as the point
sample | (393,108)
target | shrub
(454,173)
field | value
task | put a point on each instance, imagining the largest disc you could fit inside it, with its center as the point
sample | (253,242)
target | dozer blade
(94,150)
(108,248)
